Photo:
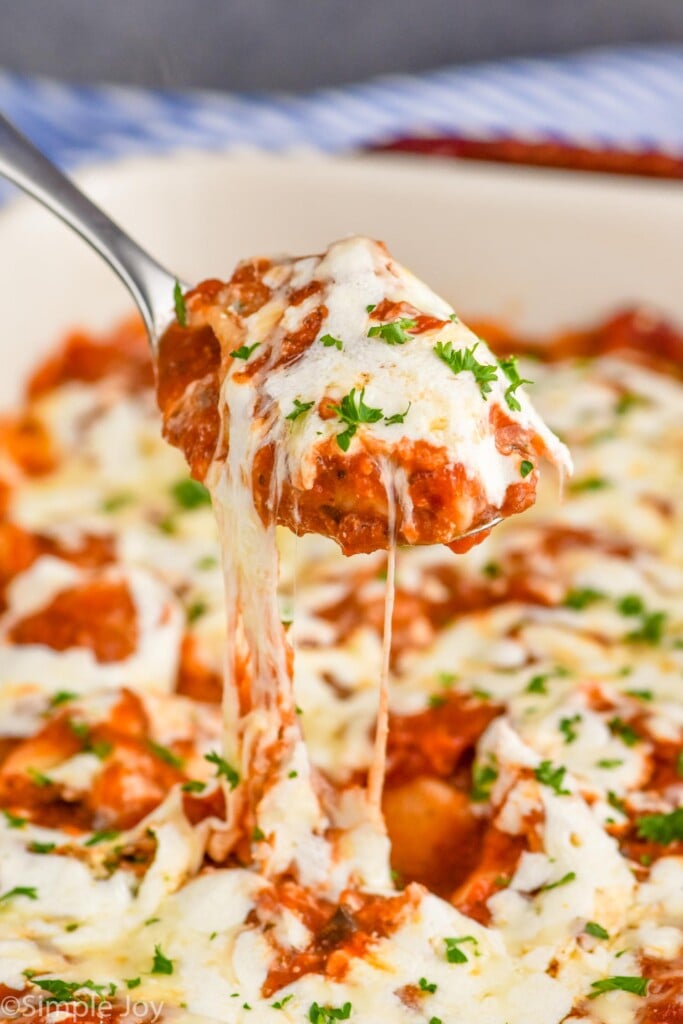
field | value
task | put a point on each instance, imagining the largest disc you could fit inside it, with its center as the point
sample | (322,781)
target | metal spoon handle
(150,285)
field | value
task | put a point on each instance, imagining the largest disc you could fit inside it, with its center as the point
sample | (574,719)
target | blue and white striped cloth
(627,98)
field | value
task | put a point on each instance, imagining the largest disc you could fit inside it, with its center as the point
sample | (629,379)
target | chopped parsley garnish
(244,351)
(398,417)
(454,318)
(596,930)
(581,598)
(38,778)
(353,411)
(190,493)
(161,963)
(65,991)
(196,610)
(549,775)
(636,985)
(509,368)
(625,732)
(650,630)
(568,727)
(454,954)
(641,694)
(661,828)
(281,1003)
(435,1020)
(116,501)
(569,877)
(436,700)
(28,891)
(631,604)
(105,836)
(36,847)
(393,333)
(588,483)
(257,834)
(326,1014)
(537,685)
(460,360)
(525,467)
(427,986)
(609,762)
(13,820)
(616,802)
(483,778)
(299,409)
(164,754)
(629,401)
(331,342)
(193,786)
(131,982)
(223,769)
(492,570)
(61,697)
(293,774)
(371,307)
(179,303)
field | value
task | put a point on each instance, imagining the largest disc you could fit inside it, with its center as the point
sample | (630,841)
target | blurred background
(596,84)
(303,44)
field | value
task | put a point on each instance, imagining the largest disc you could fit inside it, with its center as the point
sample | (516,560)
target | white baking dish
(538,249)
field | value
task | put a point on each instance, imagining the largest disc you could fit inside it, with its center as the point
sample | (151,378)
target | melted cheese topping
(534,718)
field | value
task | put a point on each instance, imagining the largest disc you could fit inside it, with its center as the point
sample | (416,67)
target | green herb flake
(393,333)
(131,982)
(625,732)
(483,778)
(398,417)
(596,930)
(631,604)
(609,762)
(190,494)
(464,360)
(353,411)
(651,629)
(223,769)
(117,501)
(179,303)
(661,828)
(38,778)
(196,610)
(29,891)
(299,409)
(622,983)
(161,963)
(567,727)
(492,570)
(537,684)
(165,754)
(645,695)
(582,598)
(257,834)
(36,847)
(588,483)
(281,1003)
(509,368)
(525,467)
(62,697)
(13,820)
(427,986)
(193,786)
(326,1014)
(331,342)
(244,351)
(105,836)
(454,955)
(551,776)
(565,880)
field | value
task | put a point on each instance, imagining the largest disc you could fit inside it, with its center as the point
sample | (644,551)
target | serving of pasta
(403,777)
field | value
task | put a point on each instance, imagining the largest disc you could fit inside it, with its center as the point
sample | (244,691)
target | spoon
(150,284)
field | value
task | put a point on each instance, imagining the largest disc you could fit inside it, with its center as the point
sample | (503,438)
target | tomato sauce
(98,615)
